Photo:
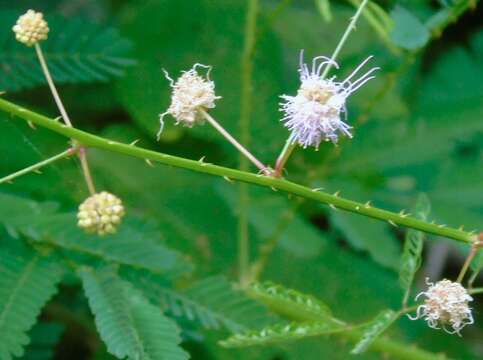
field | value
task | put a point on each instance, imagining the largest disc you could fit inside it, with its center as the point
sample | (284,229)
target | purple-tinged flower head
(314,114)
(446,304)
(191,95)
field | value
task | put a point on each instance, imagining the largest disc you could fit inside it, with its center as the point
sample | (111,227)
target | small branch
(473,251)
(86,171)
(235,143)
(283,157)
(38,165)
(342,41)
(266,181)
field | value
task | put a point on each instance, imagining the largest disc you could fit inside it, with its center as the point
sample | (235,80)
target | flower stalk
(87,139)
(265,170)
(65,117)
(289,144)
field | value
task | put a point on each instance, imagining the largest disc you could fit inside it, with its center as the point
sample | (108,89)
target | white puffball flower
(100,213)
(191,95)
(446,304)
(31,28)
(314,114)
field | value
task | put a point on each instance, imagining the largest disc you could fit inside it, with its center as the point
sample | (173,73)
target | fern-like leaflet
(77,51)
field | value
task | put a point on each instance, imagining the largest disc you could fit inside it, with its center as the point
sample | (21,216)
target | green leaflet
(408,32)
(128,324)
(369,235)
(130,246)
(291,303)
(413,247)
(133,245)
(44,337)
(77,51)
(376,327)
(212,302)
(281,333)
(27,281)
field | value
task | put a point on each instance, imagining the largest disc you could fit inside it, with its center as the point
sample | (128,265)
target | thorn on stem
(274,188)
(317,189)
(134,142)
(37,171)
(149,162)
(367,204)
(31,125)
(332,206)
(392,223)
(337,193)
(228,179)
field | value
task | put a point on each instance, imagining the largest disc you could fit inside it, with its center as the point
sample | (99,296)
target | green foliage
(417,129)
(282,333)
(28,280)
(130,326)
(131,245)
(44,337)
(291,303)
(413,247)
(374,329)
(212,302)
(408,33)
(77,51)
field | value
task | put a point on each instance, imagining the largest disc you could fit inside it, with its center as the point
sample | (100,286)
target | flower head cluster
(314,114)
(191,95)
(31,28)
(446,304)
(100,213)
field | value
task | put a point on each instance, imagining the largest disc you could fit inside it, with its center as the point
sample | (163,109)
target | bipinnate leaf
(77,51)
(291,303)
(27,281)
(129,325)
(413,246)
(212,302)
(282,333)
(375,328)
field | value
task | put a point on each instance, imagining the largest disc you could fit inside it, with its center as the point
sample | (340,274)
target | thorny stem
(235,143)
(471,255)
(335,201)
(38,165)
(245,115)
(65,117)
(289,144)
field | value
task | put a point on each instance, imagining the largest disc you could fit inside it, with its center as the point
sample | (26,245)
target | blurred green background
(418,128)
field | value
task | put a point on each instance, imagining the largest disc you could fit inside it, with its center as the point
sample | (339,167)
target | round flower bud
(100,213)
(191,95)
(31,28)
(446,305)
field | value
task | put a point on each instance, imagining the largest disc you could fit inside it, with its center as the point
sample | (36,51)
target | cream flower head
(31,28)
(446,304)
(191,95)
(100,213)
(314,114)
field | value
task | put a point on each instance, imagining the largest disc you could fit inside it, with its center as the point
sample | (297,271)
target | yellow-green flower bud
(100,213)
(31,28)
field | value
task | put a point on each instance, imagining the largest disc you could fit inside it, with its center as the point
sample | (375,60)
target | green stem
(476,291)
(334,201)
(352,26)
(245,116)
(38,165)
